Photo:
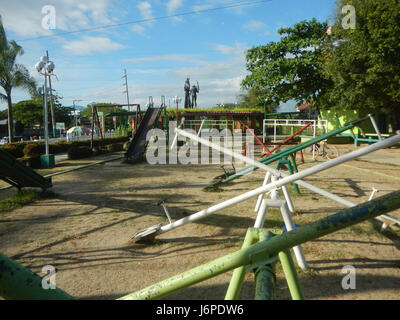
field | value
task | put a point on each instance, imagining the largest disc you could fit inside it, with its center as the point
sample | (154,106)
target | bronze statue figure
(194,91)
(187,94)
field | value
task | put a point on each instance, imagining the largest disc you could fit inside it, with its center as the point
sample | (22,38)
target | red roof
(304,106)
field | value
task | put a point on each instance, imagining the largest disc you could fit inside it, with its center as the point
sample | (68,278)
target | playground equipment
(281,180)
(287,126)
(18,175)
(207,125)
(363,137)
(98,118)
(261,249)
(149,121)
(286,153)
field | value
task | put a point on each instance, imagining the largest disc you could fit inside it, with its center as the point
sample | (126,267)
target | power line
(235,5)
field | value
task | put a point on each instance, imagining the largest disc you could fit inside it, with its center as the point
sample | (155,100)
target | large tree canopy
(288,69)
(364,63)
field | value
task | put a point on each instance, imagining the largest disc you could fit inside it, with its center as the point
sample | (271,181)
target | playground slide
(139,143)
(18,175)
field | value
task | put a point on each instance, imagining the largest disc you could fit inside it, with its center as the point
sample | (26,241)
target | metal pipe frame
(248,169)
(277,184)
(263,251)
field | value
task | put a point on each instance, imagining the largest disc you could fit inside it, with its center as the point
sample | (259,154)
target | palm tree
(12,75)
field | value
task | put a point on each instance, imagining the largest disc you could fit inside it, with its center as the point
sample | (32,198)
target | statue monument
(194,91)
(187,94)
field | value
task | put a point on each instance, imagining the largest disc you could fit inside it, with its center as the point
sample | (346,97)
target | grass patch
(22,198)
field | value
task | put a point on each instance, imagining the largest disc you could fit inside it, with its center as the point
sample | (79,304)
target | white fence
(287,127)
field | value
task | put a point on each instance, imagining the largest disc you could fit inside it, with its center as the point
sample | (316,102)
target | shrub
(79,152)
(32,149)
(15,149)
(127,145)
(115,147)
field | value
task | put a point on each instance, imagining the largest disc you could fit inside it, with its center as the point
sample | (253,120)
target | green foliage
(29,113)
(79,152)
(12,74)
(22,197)
(364,63)
(16,149)
(32,149)
(285,70)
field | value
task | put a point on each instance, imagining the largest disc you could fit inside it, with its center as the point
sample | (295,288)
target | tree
(11,74)
(254,97)
(30,112)
(364,63)
(288,69)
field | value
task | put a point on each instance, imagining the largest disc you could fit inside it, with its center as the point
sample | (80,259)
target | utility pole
(126,89)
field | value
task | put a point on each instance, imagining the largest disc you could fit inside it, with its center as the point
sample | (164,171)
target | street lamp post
(177,100)
(46,68)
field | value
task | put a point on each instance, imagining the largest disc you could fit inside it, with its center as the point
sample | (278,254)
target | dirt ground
(84,230)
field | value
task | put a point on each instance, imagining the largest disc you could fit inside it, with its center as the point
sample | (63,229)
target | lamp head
(50,67)
(39,66)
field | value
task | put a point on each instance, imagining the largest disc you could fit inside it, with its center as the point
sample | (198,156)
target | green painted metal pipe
(265,283)
(236,283)
(235,286)
(291,275)
(19,283)
(247,169)
(267,249)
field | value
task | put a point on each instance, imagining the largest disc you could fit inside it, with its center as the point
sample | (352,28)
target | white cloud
(190,58)
(144,8)
(172,5)
(238,49)
(25,17)
(88,45)
(139,29)
(254,25)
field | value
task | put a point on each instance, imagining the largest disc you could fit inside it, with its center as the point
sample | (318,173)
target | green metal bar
(265,276)
(291,275)
(235,286)
(265,283)
(287,152)
(19,283)
(252,236)
(262,251)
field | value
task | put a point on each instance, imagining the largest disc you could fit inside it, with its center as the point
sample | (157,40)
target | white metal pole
(375,127)
(288,199)
(261,196)
(275,184)
(201,127)
(287,219)
(46,125)
(305,173)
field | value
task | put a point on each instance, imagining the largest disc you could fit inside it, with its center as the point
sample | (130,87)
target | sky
(159,43)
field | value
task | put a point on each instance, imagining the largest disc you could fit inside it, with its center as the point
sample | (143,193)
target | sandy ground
(85,230)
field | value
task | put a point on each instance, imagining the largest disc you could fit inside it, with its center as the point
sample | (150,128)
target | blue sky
(158,55)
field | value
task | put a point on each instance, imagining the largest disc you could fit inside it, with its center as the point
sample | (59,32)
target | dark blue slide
(139,143)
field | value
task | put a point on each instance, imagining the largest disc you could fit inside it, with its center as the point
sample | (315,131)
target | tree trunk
(394,117)
(10,118)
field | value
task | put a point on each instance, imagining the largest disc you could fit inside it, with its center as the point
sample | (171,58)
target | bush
(79,152)
(32,149)
(115,147)
(127,145)
(32,162)
(16,149)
